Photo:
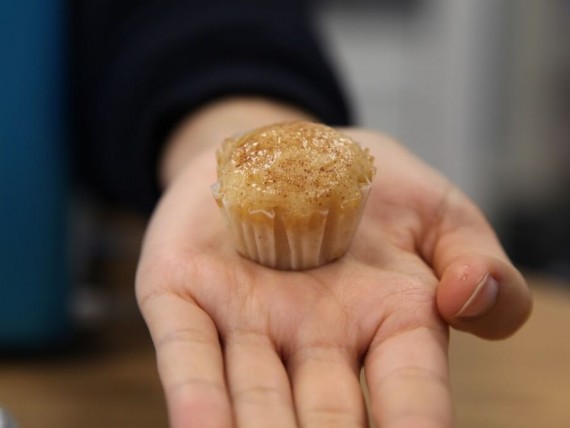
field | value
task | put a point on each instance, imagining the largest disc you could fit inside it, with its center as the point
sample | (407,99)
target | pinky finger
(190,362)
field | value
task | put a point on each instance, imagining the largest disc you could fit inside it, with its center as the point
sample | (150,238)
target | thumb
(480,291)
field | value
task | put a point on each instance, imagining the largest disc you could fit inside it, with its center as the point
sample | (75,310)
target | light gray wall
(435,78)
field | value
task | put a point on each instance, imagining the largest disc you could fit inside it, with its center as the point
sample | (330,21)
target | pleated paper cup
(281,239)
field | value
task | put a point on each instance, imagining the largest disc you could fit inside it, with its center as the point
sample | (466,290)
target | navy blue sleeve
(140,66)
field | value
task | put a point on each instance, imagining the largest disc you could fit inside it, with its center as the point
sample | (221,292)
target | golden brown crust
(295,167)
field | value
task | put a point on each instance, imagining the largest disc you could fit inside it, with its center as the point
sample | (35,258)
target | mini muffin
(292,194)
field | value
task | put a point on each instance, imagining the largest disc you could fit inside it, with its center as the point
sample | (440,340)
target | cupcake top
(293,167)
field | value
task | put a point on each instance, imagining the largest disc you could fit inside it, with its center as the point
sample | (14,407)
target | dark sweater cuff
(161,74)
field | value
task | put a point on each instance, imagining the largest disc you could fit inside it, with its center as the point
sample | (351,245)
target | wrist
(207,127)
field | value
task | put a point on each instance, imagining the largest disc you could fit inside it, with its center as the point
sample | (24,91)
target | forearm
(141,67)
(210,125)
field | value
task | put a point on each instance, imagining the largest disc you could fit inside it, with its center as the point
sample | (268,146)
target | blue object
(33,197)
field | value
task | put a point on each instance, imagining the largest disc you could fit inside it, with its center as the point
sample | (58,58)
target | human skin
(242,345)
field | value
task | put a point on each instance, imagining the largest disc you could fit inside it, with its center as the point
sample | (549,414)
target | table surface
(521,382)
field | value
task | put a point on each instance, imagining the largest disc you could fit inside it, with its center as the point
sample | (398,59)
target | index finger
(190,362)
(407,377)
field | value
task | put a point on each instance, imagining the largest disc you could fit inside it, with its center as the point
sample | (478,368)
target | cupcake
(292,194)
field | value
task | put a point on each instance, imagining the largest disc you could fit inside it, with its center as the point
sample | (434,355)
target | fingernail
(482,299)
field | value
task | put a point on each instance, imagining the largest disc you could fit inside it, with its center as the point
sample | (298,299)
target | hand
(242,345)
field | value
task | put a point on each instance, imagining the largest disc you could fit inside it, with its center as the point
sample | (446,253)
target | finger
(190,362)
(408,381)
(258,383)
(480,291)
(483,295)
(326,388)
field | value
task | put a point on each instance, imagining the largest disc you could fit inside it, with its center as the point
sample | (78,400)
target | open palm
(242,345)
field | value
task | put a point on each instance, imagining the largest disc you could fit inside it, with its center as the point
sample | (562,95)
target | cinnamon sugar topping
(293,167)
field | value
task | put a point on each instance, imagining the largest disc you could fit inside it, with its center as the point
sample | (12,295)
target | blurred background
(480,89)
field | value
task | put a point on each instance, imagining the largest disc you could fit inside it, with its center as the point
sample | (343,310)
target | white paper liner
(291,241)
